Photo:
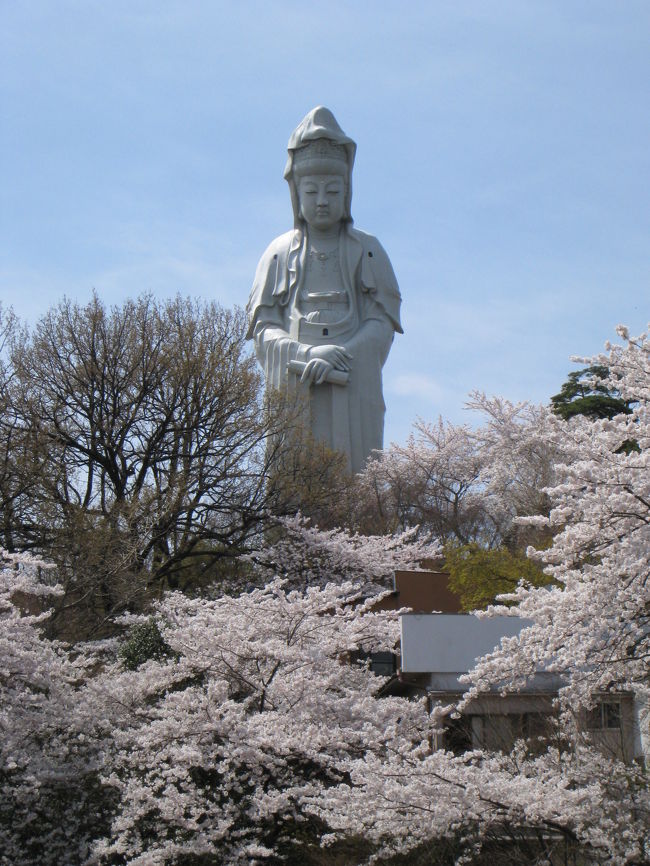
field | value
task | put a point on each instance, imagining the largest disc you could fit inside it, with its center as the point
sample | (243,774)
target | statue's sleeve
(268,317)
(378,281)
(379,305)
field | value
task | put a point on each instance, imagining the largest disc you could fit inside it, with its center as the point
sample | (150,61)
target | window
(605,715)
(457,737)
(536,725)
(497,731)
(383,663)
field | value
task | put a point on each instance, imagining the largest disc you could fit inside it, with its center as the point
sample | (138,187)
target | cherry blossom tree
(466,486)
(521,809)
(465,483)
(305,555)
(432,482)
(250,728)
(591,627)
(52,803)
(213,731)
(255,711)
(213,734)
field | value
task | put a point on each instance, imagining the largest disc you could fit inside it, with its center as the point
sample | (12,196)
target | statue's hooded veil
(319,123)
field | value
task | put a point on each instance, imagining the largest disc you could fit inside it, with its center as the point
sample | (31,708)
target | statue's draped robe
(348,418)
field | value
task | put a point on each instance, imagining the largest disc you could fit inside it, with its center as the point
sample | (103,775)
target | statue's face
(322,200)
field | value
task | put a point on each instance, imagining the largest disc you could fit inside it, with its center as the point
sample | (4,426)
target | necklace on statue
(324,255)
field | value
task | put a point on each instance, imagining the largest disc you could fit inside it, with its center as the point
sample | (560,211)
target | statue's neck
(316,236)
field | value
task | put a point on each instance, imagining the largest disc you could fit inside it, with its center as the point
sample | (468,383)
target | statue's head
(319,150)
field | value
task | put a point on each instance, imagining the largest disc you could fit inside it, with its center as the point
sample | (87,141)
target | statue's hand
(316,370)
(337,356)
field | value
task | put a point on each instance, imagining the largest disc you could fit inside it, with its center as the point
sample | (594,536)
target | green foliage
(582,394)
(478,574)
(143,642)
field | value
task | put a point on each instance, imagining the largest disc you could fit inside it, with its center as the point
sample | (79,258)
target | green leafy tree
(479,575)
(587,392)
(143,642)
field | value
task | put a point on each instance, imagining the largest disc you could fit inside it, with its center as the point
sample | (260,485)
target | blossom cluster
(235,728)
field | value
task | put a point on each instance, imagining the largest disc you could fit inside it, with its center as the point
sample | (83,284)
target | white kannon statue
(324,306)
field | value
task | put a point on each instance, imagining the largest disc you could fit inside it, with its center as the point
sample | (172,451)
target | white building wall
(450,643)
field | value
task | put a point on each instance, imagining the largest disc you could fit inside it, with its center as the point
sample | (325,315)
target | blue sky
(503,161)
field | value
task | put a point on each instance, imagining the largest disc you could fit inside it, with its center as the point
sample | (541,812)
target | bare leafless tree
(144,444)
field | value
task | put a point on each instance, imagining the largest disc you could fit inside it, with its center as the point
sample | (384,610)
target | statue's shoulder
(280,246)
(270,286)
(368,242)
(361,236)
(374,254)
